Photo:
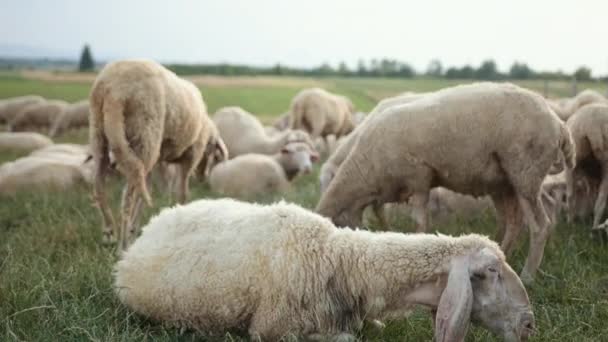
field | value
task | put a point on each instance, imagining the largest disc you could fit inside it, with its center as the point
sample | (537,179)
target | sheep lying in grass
(250,175)
(11,106)
(23,141)
(321,113)
(480,139)
(45,171)
(76,115)
(589,129)
(243,133)
(144,114)
(280,270)
(37,116)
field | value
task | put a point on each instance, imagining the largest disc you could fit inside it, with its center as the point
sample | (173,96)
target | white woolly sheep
(76,115)
(23,141)
(37,116)
(45,172)
(243,133)
(11,106)
(250,175)
(331,165)
(144,114)
(321,113)
(566,107)
(480,139)
(280,270)
(589,129)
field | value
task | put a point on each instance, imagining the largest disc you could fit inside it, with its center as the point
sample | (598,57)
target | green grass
(56,281)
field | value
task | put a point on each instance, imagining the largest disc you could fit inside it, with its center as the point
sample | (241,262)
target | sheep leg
(501,216)
(378,209)
(420,214)
(99,195)
(513,224)
(538,223)
(127,208)
(188,164)
(570,195)
(600,202)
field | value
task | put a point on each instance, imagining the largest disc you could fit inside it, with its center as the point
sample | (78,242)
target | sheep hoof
(526,278)
(378,324)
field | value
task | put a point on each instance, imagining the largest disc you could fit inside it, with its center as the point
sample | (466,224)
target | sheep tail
(567,147)
(131,165)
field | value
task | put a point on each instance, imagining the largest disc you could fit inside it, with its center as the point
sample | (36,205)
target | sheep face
(500,302)
(298,158)
(483,288)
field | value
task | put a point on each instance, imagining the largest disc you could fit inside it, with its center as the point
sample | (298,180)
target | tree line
(390,68)
(384,67)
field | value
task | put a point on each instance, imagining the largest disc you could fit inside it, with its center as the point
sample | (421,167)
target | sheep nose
(527,326)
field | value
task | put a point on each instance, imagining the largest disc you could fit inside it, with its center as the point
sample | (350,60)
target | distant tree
(582,74)
(86,59)
(466,72)
(343,69)
(487,71)
(277,69)
(361,68)
(520,71)
(406,70)
(325,70)
(434,69)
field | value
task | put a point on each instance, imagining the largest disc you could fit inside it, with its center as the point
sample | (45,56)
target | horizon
(544,35)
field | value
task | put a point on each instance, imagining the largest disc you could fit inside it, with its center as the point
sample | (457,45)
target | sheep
(250,175)
(38,116)
(23,141)
(280,270)
(479,139)
(243,133)
(144,114)
(589,129)
(76,115)
(45,172)
(585,97)
(11,106)
(331,165)
(69,149)
(321,113)
(282,122)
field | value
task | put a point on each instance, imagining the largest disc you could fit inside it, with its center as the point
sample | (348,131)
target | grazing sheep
(11,106)
(330,167)
(589,129)
(76,115)
(37,116)
(485,138)
(44,172)
(321,113)
(23,141)
(585,97)
(243,133)
(73,149)
(279,270)
(250,175)
(144,114)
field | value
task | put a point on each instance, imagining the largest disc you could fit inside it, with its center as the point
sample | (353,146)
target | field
(55,276)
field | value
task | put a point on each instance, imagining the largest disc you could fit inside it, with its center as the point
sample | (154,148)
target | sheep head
(483,288)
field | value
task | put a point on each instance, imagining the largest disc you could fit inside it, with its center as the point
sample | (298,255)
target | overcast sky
(547,34)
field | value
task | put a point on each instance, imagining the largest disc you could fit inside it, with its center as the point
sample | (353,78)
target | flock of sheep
(279,270)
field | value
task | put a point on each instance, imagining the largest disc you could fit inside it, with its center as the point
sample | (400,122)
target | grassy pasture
(55,277)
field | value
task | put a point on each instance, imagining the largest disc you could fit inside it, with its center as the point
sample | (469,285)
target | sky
(546,34)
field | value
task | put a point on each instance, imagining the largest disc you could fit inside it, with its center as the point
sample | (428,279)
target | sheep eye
(492,269)
(478,276)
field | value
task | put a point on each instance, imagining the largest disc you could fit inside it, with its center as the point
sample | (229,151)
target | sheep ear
(454,310)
